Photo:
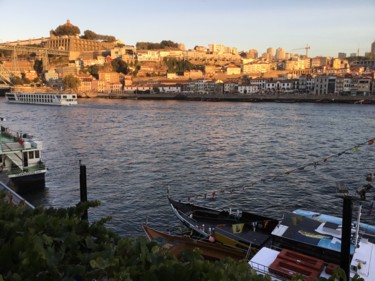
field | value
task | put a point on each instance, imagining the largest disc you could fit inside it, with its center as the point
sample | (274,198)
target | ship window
(31,154)
(37,154)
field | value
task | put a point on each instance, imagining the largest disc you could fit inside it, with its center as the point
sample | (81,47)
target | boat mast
(357,228)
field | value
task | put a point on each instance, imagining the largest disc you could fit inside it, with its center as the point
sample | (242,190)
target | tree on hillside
(90,35)
(168,44)
(71,82)
(120,66)
(94,71)
(66,30)
(165,44)
(38,66)
(180,66)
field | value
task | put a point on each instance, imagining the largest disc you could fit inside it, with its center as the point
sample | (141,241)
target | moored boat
(176,244)
(42,98)
(307,236)
(364,228)
(21,160)
(300,239)
(236,229)
(281,264)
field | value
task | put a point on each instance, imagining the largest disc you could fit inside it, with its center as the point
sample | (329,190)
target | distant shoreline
(245,98)
(281,98)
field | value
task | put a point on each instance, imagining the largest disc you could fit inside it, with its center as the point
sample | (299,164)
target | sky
(327,26)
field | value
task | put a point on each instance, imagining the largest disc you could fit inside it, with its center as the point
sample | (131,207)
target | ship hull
(26,183)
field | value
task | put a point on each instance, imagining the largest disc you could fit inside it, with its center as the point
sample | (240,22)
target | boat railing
(264,270)
(16,170)
(7,133)
(8,147)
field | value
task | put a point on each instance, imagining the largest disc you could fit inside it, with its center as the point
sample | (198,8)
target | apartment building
(109,76)
(305,83)
(86,82)
(203,87)
(148,55)
(230,88)
(284,86)
(169,89)
(344,85)
(233,70)
(324,85)
(248,89)
(295,64)
(362,86)
(260,83)
(261,67)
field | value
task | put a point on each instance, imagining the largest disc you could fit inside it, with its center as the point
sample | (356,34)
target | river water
(217,154)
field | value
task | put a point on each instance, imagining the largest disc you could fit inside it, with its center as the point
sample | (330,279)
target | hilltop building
(76,45)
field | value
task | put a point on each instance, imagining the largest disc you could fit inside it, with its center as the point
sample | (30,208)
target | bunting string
(212,194)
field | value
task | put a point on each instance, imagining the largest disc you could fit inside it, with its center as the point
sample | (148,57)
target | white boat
(42,98)
(364,228)
(21,160)
(307,247)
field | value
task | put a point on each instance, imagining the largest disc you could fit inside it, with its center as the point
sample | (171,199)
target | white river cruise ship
(42,98)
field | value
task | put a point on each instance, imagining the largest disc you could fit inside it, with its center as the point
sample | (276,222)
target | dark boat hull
(209,250)
(240,230)
(27,183)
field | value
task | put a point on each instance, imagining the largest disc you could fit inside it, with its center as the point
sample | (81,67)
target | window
(37,155)
(31,154)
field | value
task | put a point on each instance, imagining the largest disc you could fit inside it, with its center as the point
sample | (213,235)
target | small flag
(237,228)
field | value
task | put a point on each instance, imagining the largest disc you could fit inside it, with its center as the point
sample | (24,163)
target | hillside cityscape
(93,63)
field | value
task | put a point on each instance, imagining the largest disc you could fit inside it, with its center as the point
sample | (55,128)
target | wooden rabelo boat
(237,229)
(177,243)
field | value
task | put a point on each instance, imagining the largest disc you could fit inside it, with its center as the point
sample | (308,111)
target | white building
(230,88)
(170,89)
(260,83)
(247,89)
(281,85)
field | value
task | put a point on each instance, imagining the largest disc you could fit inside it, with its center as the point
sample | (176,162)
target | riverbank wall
(245,98)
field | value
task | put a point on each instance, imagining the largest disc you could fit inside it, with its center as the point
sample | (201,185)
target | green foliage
(90,35)
(179,66)
(120,66)
(93,70)
(71,82)
(56,244)
(38,66)
(165,44)
(16,80)
(66,30)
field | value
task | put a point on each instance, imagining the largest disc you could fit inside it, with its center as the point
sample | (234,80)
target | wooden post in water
(345,235)
(83,187)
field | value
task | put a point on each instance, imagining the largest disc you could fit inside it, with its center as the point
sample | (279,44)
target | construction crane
(307,47)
